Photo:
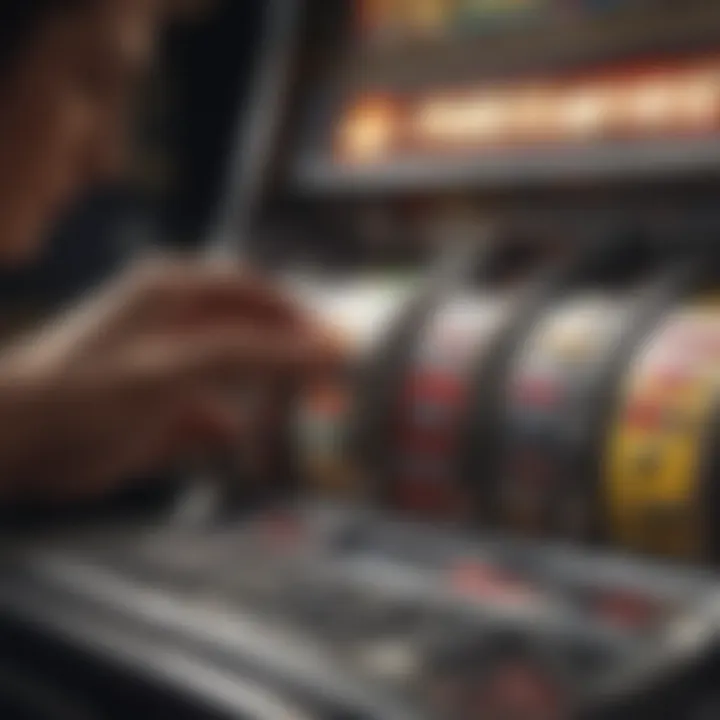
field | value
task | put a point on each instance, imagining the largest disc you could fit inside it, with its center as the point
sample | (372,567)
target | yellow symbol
(655,465)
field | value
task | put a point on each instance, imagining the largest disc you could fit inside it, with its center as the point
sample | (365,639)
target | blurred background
(186,126)
(442,102)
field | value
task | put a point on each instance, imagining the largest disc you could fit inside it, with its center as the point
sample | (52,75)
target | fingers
(208,421)
(234,356)
(226,356)
(192,292)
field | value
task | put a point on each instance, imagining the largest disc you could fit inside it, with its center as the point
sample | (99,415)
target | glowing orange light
(639,103)
(368,132)
(481,117)
(699,99)
(585,111)
(533,114)
(656,101)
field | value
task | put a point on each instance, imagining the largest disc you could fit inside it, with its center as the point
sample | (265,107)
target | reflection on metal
(257,139)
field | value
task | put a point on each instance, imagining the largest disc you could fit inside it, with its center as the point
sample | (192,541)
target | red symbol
(673,378)
(627,610)
(428,441)
(645,416)
(442,387)
(537,392)
(488,582)
(432,499)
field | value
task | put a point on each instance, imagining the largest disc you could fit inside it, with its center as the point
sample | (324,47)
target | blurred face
(63,111)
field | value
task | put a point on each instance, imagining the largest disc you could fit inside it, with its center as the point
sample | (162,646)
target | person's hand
(141,374)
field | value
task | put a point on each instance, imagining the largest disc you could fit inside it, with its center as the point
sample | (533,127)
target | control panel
(380,618)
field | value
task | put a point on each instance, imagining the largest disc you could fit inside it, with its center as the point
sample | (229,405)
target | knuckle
(157,281)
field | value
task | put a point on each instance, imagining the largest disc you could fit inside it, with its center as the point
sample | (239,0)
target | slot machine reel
(661,472)
(432,397)
(558,388)
(361,317)
(447,436)
(343,428)
(444,436)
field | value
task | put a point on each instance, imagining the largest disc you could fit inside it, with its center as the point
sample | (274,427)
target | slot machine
(503,506)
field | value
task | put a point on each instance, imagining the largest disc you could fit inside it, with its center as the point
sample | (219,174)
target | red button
(487,582)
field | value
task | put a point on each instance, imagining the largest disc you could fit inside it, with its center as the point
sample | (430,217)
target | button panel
(436,619)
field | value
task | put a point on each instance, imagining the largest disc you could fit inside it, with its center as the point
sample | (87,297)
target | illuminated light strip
(632,103)
(686,100)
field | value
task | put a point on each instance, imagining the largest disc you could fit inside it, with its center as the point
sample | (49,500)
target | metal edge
(253,146)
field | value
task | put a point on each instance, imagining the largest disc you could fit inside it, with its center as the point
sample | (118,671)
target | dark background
(188,122)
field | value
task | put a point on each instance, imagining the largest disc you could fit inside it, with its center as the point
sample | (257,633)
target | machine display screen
(496,81)
(643,101)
